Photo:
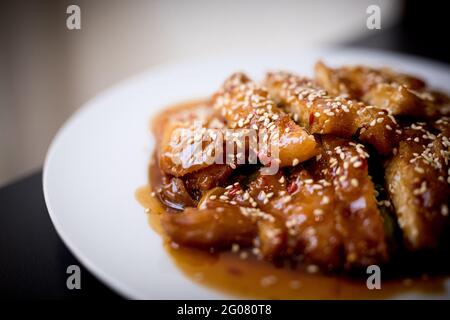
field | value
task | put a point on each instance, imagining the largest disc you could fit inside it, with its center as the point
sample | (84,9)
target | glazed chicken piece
(311,218)
(438,105)
(398,99)
(188,142)
(219,225)
(400,94)
(272,234)
(418,180)
(245,105)
(356,81)
(173,193)
(224,216)
(443,125)
(332,215)
(215,175)
(320,113)
(345,164)
(179,193)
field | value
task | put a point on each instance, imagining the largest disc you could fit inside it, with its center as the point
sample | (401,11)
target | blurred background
(48,71)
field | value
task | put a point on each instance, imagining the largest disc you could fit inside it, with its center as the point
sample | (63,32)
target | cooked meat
(398,93)
(212,227)
(356,81)
(245,105)
(417,180)
(321,113)
(332,214)
(398,99)
(224,216)
(172,193)
(437,104)
(205,179)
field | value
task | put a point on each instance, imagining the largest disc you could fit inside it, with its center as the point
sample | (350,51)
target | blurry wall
(47,71)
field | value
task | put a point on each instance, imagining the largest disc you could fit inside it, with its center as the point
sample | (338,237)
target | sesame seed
(318,212)
(419,170)
(295,284)
(312,268)
(268,281)
(444,210)
(235,247)
(325,200)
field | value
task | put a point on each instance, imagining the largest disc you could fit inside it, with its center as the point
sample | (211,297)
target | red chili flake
(311,118)
(292,187)
(265,180)
(233,190)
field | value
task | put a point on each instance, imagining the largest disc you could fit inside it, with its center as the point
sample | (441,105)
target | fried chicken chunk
(245,105)
(332,215)
(212,227)
(186,141)
(400,94)
(224,216)
(417,180)
(321,113)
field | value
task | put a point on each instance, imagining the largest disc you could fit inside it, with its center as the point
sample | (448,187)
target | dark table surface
(33,259)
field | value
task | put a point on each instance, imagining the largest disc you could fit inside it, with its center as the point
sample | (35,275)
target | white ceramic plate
(99,158)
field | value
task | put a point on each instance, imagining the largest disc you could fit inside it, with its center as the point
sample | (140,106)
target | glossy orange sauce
(251,278)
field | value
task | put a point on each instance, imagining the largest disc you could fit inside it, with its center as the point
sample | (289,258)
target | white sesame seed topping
(354,182)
